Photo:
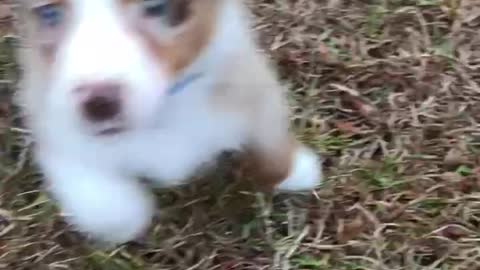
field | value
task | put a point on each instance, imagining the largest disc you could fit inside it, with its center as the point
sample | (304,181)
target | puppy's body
(183,106)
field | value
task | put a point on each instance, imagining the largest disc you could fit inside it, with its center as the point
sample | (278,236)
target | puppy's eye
(155,8)
(174,12)
(50,15)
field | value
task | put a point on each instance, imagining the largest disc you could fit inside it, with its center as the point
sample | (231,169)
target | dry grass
(386,90)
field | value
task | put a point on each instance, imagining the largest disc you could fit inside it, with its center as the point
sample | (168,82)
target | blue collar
(181,84)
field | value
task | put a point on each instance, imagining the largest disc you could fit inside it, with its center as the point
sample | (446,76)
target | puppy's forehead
(87,7)
(81,4)
(178,50)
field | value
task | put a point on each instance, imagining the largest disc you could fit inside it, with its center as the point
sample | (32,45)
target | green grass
(383,176)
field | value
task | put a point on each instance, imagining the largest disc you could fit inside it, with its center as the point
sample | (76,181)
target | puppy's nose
(102,100)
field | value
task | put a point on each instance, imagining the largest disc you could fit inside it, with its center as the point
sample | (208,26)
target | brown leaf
(454,232)
(348,231)
(454,158)
(451,177)
(325,54)
(395,213)
(364,108)
(476,177)
(347,127)
(360,105)
(468,184)
(4,115)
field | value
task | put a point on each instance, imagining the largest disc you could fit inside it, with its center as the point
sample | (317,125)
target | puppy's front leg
(102,204)
(284,164)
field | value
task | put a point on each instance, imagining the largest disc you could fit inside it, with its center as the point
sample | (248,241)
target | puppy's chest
(192,134)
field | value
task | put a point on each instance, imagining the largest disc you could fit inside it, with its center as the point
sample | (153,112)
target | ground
(385,90)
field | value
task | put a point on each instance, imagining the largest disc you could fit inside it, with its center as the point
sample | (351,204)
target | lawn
(387,91)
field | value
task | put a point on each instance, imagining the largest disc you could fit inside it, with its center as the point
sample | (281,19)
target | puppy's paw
(112,218)
(305,172)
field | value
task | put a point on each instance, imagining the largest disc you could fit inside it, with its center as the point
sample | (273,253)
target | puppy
(117,89)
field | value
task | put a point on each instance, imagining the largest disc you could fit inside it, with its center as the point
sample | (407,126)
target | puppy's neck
(232,42)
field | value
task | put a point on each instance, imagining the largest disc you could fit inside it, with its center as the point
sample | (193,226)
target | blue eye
(155,8)
(50,15)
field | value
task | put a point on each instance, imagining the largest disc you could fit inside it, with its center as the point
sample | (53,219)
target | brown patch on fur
(250,91)
(270,168)
(188,44)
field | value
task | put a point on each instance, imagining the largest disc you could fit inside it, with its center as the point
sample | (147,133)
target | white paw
(114,214)
(306,172)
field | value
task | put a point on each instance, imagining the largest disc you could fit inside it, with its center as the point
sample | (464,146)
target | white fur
(101,49)
(171,137)
(305,172)
(107,206)
(91,177)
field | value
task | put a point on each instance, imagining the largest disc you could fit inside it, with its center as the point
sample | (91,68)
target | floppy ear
(179,11)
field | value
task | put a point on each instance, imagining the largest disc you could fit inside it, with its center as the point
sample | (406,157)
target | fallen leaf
(454,158)
(347,127)
(454,232)
(363,107)
(4,115)
(325,53)
(348,231)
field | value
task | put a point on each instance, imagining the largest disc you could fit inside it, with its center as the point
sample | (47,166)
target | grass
(387,91)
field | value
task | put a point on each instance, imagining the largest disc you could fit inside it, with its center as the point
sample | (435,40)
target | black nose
(102,101)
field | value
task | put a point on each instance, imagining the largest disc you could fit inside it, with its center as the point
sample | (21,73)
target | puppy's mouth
(111,131)
(108,129)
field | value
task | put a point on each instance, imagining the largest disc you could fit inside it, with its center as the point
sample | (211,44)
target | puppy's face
(106,65)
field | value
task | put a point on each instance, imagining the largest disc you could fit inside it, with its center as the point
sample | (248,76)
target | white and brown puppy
(115,89)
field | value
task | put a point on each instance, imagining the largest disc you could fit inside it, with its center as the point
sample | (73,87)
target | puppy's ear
(179,11)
